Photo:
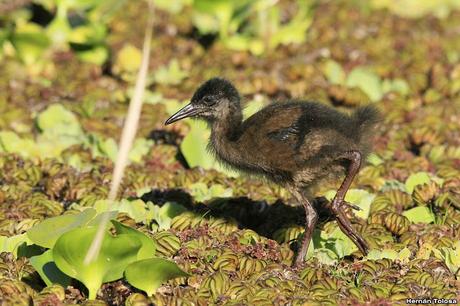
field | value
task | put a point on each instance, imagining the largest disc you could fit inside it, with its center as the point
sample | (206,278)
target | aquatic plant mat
(185,231)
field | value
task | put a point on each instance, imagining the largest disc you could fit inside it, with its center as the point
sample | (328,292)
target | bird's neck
(225,132)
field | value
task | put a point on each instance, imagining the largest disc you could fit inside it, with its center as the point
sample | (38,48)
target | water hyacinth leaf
(128,59)
(420,214)
(416,179)
(367,80)
(359,197)
(380,254)
(173,7)
(334,72)
(201,193)
(90,35)
(213,15)
(325,256)
(218,190)
(451,256)
(107,147)
(56,120)
(417,9)
(193,147)
(30,42)
(140,148)
(13,243)
(10,142)
(163,215)
(403,255)
(252,107)
(136,209)
(194,144)
(393,184)
(45,266)
(49,230)
(149,274)
(115,254)
(59,29)
(424,251)
(338,242)
(100,216)
(97,55)
(396,85)
(148,247)
(170,74)
(374,159)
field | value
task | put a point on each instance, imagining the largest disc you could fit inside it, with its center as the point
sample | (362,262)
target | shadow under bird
(294,144)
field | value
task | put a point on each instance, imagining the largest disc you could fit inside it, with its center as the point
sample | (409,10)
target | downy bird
(294,144)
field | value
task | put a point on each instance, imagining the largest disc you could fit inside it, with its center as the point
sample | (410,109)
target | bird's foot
(347,228)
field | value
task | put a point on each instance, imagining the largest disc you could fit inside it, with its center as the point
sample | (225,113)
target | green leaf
(48,271)
(97,54)
(416,179)
(420,214)
(252,107)
(59,29)
(359,197)
(148,247)
(108,147)
(396,85)
(201,193)
(164,214)
(334,72)
(339,243)
(374,159)
(451,256)
(194,146)
(116,253)
(149,274)
(173,7)
(128,59)
(10,142)
(367,80)
(403,255)
(170,74)
(30,42)
(13,243)
(386,253)
(56,120)
(100,216)
(140,148)
(49,230)
(136,209)
(325,256)
(213,15)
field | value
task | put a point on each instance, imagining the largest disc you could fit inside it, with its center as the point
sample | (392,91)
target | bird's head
(216,98)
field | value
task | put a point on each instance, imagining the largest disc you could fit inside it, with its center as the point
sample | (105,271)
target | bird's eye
(208,100)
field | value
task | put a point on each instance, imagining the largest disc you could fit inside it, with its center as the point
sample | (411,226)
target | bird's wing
(273,136)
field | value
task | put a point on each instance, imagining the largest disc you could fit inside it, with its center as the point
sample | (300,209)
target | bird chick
(294,144)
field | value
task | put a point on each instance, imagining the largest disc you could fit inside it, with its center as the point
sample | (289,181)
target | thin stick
(127,137)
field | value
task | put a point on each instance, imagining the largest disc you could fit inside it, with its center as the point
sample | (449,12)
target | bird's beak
(187,111)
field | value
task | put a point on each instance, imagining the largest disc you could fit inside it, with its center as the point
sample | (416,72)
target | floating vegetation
(218,237)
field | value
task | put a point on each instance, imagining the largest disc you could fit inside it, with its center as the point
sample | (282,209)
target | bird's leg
(337,204)
(311,217)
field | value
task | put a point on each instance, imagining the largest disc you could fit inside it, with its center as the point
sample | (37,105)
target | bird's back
(285,138)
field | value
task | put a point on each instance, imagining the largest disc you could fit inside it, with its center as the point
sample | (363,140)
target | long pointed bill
(187,111)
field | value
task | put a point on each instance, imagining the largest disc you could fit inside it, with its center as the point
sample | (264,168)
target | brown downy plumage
(292,143)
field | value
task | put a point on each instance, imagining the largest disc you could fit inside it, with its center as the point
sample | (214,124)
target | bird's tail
(366,119)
